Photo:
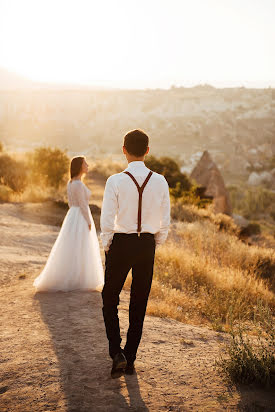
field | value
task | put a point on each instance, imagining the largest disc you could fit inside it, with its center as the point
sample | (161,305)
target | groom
(135,218)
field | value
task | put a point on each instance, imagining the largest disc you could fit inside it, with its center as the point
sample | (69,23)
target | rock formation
(256,179)
(207,174)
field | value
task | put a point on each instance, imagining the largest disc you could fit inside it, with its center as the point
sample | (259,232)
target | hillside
(54,348)
(237,125)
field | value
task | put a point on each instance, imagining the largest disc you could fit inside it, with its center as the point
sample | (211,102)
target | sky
(140,43)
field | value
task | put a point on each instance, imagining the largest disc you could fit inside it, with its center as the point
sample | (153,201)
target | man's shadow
(76,326)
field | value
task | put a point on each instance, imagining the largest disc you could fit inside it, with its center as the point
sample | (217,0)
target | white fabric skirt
(74,261)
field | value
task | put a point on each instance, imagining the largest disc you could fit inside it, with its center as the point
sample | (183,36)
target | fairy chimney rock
(206,174)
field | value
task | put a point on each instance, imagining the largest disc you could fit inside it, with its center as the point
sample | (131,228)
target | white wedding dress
(74,261)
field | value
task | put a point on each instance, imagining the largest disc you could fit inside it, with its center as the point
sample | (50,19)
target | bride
(74,261)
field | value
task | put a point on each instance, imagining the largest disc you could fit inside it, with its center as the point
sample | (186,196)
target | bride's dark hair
(76,164)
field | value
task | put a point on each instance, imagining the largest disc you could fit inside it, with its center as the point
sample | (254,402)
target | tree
(12,173)
(180,187)
(50,165)
(170,170)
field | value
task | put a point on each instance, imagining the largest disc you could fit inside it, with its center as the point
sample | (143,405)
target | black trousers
(127,251)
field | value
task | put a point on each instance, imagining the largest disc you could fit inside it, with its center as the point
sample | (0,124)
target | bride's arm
(69,194)
(82,202)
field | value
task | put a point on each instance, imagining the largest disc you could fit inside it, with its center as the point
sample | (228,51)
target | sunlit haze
(140,44)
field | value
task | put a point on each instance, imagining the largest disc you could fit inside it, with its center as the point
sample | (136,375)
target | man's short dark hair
(136,142)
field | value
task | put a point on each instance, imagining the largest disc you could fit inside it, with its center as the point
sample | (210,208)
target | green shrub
(170,170)
(49,166)
(248,361)
(265,268)
(180,186)
(189,196)
(254,228)
(271,163)
(5,193)
(13,173)
(251,201)
(258,200)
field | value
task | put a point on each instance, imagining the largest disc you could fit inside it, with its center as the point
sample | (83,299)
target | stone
(207,174)
(256,179)
(240,220)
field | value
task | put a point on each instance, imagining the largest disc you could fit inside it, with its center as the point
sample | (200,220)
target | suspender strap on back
(140,191)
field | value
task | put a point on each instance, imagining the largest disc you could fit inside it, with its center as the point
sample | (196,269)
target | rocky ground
(54,353)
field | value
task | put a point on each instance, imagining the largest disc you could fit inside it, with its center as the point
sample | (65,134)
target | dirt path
(54,353)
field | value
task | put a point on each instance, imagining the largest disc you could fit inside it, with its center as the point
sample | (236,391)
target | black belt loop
(140,192)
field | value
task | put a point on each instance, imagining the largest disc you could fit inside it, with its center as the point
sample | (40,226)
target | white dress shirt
(120,205)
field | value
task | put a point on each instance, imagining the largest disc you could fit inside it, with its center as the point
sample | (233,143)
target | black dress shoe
(119,365)
(130,368)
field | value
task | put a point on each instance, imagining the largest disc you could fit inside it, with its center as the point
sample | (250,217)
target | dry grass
(191,213)
(222,249)
(5,193)
(38,194)
(35,193)
(206,276)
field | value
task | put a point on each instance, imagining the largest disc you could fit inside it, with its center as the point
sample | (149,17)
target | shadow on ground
(75,322)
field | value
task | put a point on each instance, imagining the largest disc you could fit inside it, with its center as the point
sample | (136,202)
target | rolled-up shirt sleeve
(108,213)
(162,234)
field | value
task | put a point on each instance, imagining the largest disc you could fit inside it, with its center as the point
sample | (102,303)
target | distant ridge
(13,81)
(10,80)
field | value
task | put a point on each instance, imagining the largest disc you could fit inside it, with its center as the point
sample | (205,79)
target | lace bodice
(79,195)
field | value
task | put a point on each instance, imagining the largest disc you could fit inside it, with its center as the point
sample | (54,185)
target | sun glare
(138,43)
